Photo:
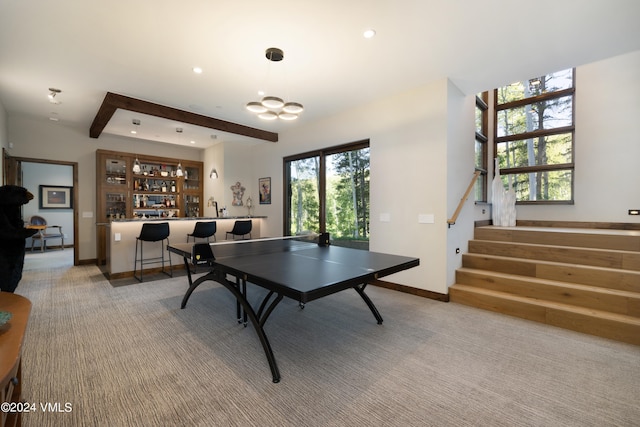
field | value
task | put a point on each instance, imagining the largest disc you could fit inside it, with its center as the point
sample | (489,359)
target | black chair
(201,253)
(240,228)
(203,230)
(152,232)
(42,235)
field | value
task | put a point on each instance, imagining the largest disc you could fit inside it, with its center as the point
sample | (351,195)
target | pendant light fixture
(179,171)
(136,166)
(273,107)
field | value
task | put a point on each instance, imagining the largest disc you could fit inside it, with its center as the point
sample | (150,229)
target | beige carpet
(128,356)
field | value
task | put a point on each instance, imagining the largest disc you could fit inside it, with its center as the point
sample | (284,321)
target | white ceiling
(146,49)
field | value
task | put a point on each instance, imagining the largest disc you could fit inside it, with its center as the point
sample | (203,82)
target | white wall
(213,158)
(3,134)
(607,147)
(3,127)
(460,161)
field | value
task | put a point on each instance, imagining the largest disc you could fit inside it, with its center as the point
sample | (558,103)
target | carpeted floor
(124,356)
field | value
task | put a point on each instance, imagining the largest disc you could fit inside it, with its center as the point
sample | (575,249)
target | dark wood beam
(106,111)
(114,101)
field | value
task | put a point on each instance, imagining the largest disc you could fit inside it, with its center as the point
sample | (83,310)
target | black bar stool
(240,228)
(203,230)
(152,232)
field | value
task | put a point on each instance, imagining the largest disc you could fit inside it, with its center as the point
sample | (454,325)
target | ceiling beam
(114,101)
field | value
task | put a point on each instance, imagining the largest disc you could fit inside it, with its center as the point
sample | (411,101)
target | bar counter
(122,234)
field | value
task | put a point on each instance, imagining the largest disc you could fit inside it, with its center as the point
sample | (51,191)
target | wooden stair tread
(580,237)
(584,274)
(549,304)
(547,262)
(574,230)
(602,257)
(555,283)
(564,247)
(543,261)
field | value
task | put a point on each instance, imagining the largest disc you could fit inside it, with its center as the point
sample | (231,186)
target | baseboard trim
(580,224)
(411,290)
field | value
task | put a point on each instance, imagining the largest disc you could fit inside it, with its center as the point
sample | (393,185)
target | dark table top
(298,269)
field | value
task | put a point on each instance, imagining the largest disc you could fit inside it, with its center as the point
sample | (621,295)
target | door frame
(11,167)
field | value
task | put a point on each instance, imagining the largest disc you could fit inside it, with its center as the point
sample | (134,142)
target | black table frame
(219,273)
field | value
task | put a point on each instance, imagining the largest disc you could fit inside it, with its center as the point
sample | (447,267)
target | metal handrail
(453,219)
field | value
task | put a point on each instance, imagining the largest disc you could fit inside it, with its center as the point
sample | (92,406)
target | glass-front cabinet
(131,186)
(112,179)
(192,191)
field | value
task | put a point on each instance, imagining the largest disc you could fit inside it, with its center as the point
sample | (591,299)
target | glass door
(303,196)
(328,191)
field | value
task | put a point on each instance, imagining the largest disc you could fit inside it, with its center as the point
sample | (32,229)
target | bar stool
(240,228)
(203,230)
(152,232)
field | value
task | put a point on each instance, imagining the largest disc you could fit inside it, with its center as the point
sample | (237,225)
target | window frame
(537,134)
(482,103)
(322,185)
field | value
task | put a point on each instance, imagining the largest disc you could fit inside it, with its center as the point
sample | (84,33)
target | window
(328,191)
(481,146)
(534,137)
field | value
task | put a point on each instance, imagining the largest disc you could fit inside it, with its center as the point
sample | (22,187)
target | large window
(481,146)
(328,191)
(534,137)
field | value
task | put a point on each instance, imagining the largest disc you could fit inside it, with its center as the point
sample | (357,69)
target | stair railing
(451,221)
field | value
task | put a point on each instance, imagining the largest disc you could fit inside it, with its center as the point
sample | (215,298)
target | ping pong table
(286,267)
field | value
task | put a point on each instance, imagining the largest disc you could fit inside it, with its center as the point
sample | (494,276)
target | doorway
(14,169)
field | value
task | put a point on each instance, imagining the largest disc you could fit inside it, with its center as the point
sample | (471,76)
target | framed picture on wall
(264,184)
(56,197)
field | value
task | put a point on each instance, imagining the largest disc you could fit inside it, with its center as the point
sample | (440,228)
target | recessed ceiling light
(197,70)
(134,132)
(193,142)
(369,33)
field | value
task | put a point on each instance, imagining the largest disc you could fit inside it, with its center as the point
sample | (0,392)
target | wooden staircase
(586,280)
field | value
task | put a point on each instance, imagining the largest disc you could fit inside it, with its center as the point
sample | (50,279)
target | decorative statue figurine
(238,193)
(12,235)
(249,206)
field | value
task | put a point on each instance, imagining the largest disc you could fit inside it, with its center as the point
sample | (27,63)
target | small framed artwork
(264,184)
(56,197)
